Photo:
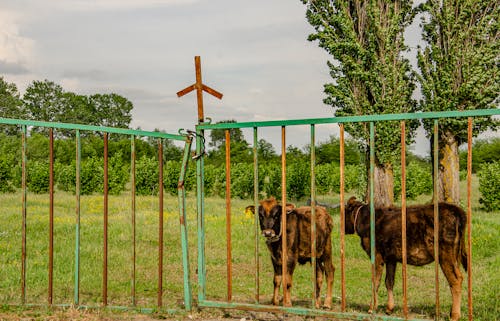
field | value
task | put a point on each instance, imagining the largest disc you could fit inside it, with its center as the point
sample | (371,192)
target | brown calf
(298,234)
(420,242)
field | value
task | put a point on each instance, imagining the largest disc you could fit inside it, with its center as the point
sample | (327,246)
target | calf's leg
(450,267)
(390,271)
(277,284)
(379,268)
(287,284)
(319,282)
(329,271)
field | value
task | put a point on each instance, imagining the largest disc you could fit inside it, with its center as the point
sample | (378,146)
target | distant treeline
(419,171)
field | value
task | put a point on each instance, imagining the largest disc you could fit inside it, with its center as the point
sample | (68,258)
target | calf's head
(270,218)
(352,209)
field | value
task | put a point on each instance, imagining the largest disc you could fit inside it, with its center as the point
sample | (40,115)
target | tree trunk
(449,169)
(383,186)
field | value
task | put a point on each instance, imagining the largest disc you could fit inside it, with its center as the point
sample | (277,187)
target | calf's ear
(250,209)
(351,200)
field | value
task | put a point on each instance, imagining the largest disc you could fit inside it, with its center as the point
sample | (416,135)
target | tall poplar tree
(370,74)
(459,71)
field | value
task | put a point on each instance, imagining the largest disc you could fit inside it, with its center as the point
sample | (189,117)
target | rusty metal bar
(284,253)
(313,215)
(105,243)
(256,215)
(160,223)
(342,219)
(436,215)
(24,214)
(469,216)
(51,215)
(133,214)
(403,218)
(77,223)
(228,216)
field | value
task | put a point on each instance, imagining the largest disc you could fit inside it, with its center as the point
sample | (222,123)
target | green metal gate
(372,120)
(134,297)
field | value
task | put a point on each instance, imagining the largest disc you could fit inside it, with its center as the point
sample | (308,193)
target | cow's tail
(463,253)
(461,232)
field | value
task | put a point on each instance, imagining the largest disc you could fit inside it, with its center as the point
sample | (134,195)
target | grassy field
(486,257)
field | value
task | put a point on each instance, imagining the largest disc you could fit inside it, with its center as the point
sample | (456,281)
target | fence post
(24,214)
(77,223)
(181,189)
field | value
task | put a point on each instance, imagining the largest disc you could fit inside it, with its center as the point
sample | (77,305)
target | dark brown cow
(420,242)
(298,234)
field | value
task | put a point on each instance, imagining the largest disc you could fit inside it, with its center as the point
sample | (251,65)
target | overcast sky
(255,52)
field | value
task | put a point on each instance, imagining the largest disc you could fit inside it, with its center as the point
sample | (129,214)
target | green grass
(486,257)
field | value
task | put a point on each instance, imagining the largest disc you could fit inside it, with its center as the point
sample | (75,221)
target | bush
(146,176)
(5,176)
(327,178)
(38,177)
(91,176)
(118,173)
(418,180)
(242,180)
(489,186)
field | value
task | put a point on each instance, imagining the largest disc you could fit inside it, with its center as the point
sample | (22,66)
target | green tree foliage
(48,101)
(371,76)
(265,151)
(45,101)
(459,70)
(483,151)
(218,136)
(10,105)
(111,110)
(329,151)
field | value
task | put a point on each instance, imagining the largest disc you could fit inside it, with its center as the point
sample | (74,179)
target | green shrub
(214,179)
(146,176)
(91,176)
(65,176)
(270,180)
(242,180)
(418,180)
(489,186)
(355,179)
(118,173)
(5,176)
(327,178)
(38,177)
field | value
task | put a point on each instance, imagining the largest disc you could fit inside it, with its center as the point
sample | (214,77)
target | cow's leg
(379,268)
(277,284)
(319,281)
(450,267)
(390,271)
(287,284)
(329,272)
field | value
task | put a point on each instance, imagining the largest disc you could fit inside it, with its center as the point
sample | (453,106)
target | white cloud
(16,51)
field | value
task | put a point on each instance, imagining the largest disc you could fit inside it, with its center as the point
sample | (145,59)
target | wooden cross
(199,86)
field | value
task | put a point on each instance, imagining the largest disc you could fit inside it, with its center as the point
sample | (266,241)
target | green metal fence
(372,120)
(133,297)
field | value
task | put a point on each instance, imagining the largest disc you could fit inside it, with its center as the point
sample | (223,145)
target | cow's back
(324,226)
(419,232)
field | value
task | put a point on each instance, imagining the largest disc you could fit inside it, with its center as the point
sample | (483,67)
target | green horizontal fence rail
(183,234)
(203,301)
